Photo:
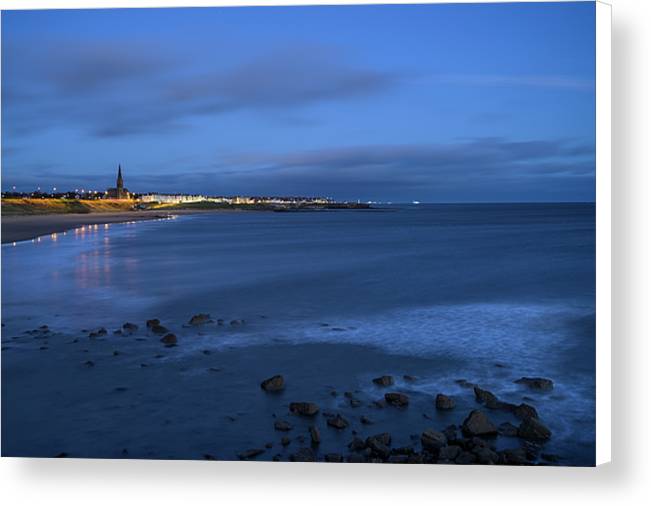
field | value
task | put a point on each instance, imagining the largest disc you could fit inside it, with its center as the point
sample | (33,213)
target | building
(163,198)
(119,192)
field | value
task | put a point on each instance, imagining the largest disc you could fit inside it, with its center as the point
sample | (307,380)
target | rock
(448,454)
(550,457)
(356,444)
(451,433)
(355,403)
(408,377)
(485,455)
(507,429)
(249,454)
(486,397)
(396,399)
(465,458)
(533,429)
(98,333)
(365,420)
(237,322)
(304,408)
(273,384)
(282,426)
(303,455)
(129,328)
(338,422)
(89,363)
(153,323)
(355,458)
(542,384)
(513,457)
(464,383)
(159,329)
(334,457)
(433,440)
(524,411)
(199,319)
(384,381)
(402,450)
(285,441)
(169,340)
(398,459)
(478,424)
(444,402)
(379,444)
(315,435)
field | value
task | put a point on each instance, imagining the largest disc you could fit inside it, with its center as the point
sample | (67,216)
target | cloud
(126,89)
(531,81)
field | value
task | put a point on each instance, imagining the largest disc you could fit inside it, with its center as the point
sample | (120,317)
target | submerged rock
(285,441)
(199,319)
(153,322)
(273,384)
(542,384)
(524,411)
(396,399)
(303,455)
(98,332)
(249,454)
(486,397)
(169,340)
(282,426)
(478,424)
(338,422)
(315,435)
(129,328)
(237,322)
(159,329)
(383,381)
(444,402)
(533,429)
(365,420)
(304,408)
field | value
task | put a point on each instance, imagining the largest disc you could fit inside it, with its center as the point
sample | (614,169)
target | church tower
(120,183)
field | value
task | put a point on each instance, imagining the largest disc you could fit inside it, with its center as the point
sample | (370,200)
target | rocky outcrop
(169,340)
(200,319)
(433,440)
(338,422)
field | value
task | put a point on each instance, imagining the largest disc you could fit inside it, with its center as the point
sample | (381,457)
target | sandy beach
(23,228)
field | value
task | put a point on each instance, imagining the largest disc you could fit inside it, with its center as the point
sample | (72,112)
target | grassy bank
(26,207)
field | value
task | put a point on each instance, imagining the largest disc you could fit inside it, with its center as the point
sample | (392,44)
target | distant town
(151,199)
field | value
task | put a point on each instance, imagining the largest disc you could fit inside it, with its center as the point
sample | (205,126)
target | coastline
(26,227)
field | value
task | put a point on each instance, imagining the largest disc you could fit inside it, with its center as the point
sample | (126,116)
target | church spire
(120,182)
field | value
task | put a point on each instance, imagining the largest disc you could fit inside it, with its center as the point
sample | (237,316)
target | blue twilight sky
(437,103)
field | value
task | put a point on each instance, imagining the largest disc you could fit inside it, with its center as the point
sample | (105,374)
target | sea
(485,292)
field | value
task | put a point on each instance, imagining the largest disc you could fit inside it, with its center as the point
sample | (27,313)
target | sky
(436,103)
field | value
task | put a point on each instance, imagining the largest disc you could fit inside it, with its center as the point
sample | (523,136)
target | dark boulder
(334,457)
(513,457)
(542,384)
(524,411)
(486,397)
(433,440)
(304,408)
(153,323)
(379,444)
(478,424)
(448,454)
(355,458)
(465,458)
(169,340)
(98,332)
(338,422)
(303,455)
(273,384)
(285,441)
(365,420)
(444,402)
(384,381)
(158,329)
(534,430)
(396,399)
(129,328)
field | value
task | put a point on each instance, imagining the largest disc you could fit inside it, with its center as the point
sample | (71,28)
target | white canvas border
(603,19)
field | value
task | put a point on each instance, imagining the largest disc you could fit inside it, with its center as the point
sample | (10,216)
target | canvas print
(343,234)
